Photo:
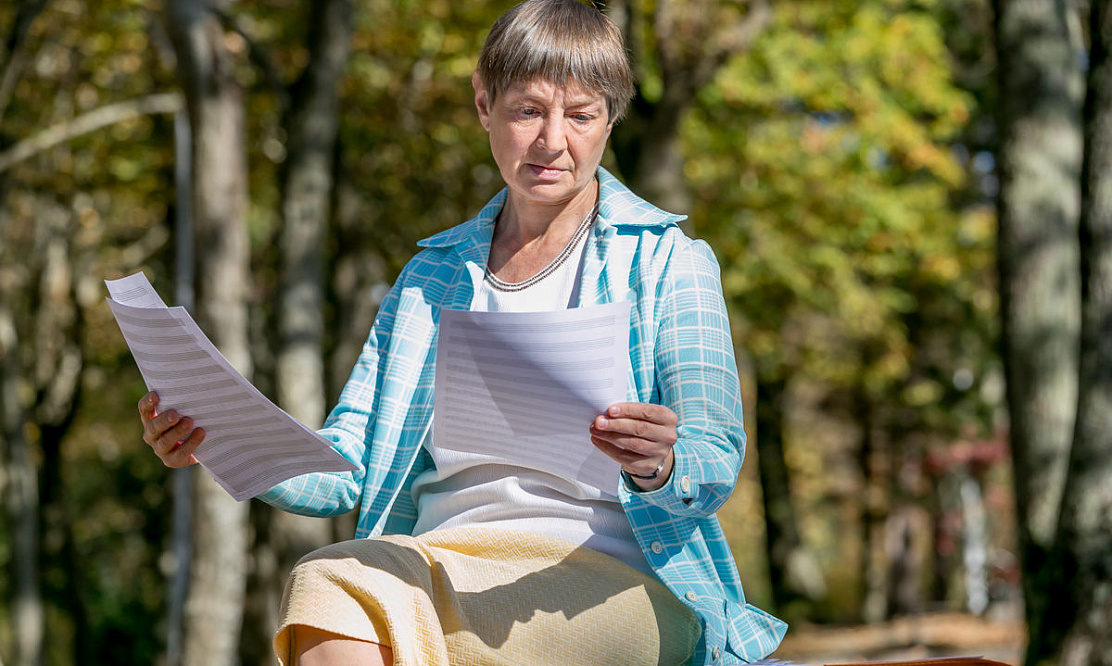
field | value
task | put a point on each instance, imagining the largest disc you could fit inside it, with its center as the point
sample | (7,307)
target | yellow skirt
(487,596)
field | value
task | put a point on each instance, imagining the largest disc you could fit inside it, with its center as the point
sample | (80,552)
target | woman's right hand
(172,436)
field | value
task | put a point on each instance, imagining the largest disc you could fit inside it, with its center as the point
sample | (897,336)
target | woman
(489,562)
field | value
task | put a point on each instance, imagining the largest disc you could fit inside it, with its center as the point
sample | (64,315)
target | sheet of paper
(524,387)
(250,443)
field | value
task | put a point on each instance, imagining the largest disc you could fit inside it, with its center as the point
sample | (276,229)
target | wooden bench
(940,661)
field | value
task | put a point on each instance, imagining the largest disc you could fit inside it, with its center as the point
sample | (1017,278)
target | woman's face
(547,139)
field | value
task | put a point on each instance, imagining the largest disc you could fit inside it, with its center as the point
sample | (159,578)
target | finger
(631,461)
(154,429)
(643,411)
(622,456)
(168,439)
(182,454)
(635,447)
(630,428)
(147,406)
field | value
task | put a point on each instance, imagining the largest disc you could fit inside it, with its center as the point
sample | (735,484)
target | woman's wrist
(655,480)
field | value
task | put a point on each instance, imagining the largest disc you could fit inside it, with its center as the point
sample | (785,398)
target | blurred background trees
(847,160)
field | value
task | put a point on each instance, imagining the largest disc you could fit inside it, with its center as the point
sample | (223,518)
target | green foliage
(103,525)
(412,145)
(824,174)
(825,177)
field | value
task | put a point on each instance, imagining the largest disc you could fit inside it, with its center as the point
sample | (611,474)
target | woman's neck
(522,222)
(528,236)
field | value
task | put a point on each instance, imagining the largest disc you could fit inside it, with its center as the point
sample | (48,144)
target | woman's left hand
(640,436)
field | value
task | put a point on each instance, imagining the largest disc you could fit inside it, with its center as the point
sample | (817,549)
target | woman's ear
(482,100)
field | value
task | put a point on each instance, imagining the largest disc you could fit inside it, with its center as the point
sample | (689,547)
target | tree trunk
(689,45)
(218,569)
(311,126)
(21,500)
(649,156)
(42,294)
(181,521)
(794,575)
(307,186)
(359,278)
(905,531)
(18,477)
(974,545)
(59,364)
(1076,629)
(306,194)
(875,472)
(1038,208)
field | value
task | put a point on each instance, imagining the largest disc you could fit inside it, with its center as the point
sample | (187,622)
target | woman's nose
(553,135)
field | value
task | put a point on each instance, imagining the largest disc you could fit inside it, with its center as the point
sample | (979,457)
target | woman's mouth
(546,173)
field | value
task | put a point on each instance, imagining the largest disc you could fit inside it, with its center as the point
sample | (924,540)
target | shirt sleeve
(696,376)
(326,494)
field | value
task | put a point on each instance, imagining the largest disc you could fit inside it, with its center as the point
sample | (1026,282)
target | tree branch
(16,52)
(692,53)
(88,123)
(628,18)
(140,251)
(734,41)
(259,56)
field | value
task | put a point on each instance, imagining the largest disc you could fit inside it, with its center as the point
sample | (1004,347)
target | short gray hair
(559,41)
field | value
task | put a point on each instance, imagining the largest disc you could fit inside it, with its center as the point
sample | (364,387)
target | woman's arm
(334,493)
(696,377)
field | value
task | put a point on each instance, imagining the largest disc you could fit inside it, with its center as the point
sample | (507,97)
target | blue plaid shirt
(681,355)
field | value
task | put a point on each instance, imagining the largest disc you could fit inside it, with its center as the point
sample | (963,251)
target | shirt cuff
(678,492)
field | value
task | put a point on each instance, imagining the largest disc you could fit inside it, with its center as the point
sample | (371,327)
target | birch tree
(1075,627)
(218,569)
(21,495)
(310,122)
(18,481)
(1038,206)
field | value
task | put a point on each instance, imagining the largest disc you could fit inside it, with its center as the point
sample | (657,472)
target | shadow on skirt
(487,596)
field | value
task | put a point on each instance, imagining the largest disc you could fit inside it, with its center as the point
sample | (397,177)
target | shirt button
(656,547)
(685,484)
(715,653)
(691,596)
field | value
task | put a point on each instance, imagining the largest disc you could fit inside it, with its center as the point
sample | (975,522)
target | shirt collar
(618,206)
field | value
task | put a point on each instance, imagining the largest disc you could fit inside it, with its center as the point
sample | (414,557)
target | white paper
(250,443)
(524,387)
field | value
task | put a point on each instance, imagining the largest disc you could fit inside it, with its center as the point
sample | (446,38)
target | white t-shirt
(468,490)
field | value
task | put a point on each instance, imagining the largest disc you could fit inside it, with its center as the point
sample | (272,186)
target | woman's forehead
(570,91)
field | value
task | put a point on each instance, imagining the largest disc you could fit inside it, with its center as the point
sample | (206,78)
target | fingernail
(615,410)
(602,422)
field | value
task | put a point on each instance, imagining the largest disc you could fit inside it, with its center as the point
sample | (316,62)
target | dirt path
(918,637)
